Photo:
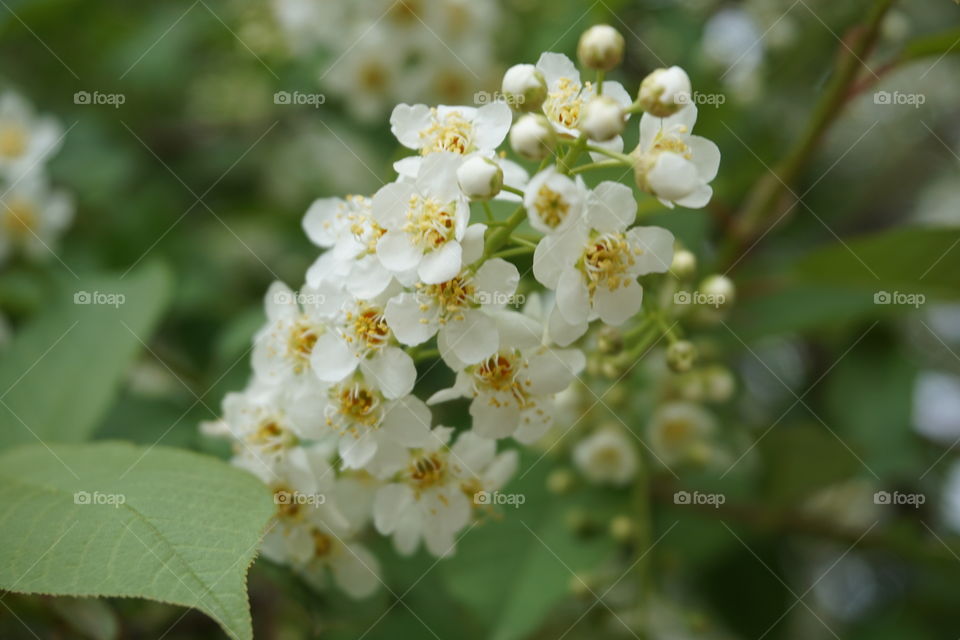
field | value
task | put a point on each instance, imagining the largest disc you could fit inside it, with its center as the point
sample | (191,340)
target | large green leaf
(112,519)
(60,373)
(913,260)
(515,570)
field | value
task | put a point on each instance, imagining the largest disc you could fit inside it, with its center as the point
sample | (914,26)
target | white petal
(491,124)
(616,307)
(657,246)
(473,452)
(320,221)
(407,122)
(472,242)
(441,264)
(562,332)
(437,177)
(389,506)
(397,252)
(494,419)
(393,371)
(611,207)
(356,571)
(554,66)
(552,370)
(573,296)
(357,452)
(517,330)
(496,282)
(331,359)
(698,199)
(501,470)
(390,203)
(472,339)
(706,155)
(407,422)
(409,323)
(280,302)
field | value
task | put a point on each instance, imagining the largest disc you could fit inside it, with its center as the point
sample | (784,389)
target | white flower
(359,337)
(283,347)
(665,91)
(512,391)
(32,216)
(554,202)
(425,221)
(674,165)
(432,497)
(567,97)
(362,416)
(25,139)
(310,533)
(265,424)
(680,431)
(524,87)
(480,178)
(606,457)
(600,47)
(460,130)
(594,266)
(455,309)
(532,137)
(603,119)
(346,227)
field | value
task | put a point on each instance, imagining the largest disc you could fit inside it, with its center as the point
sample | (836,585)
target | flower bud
(610,340)
(681,355)
(622,528)
(480,178)
(560,481)
(684,264)
(720,289)
(602,119)
(719,383)
(525,87)
(600,48)
(665,91)
(532,137)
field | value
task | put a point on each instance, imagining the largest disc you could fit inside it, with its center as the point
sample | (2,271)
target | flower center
(564,104)
(322,543)
(607,261)
(19,217)
(429,222)
(498,374)
(451,133)
(355,405)
(369,328)
(676,432)
(552,206)
(13,141)
(373,76)
(428,471)
(303,336)
(673,144)
(451,297)
(271,436)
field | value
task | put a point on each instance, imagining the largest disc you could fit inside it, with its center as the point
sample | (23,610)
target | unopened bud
(600,47)
(665,91)
(532,137)
(681,356)
(525,87)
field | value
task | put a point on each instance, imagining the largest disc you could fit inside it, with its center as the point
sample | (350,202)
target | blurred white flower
(26,140)
(606,457)
(32,217)
(680,431)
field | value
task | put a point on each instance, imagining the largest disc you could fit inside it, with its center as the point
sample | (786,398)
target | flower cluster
(407,276)
(32,214)
(386,51)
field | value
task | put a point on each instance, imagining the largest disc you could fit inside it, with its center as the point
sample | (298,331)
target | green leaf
(798,308)
(515,570)
(112,519)
(60,374)
(909,261)
(937,44)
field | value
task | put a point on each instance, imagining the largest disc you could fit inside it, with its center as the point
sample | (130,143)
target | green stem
(501,235)
(515,251)
(510,189)
(643,539)
(487,210)
(622,157)
(606,164)
(566,163)
(767,191)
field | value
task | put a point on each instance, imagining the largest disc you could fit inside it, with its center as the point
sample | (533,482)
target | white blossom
(460,130)
(606,457)
(32,216)
(680,431)
(554,202)
(26,139)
